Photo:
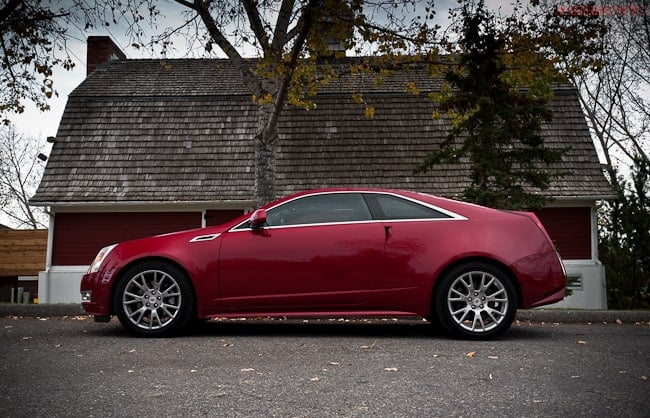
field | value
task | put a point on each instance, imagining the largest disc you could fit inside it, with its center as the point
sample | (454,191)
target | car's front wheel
(476,301)
(154,298)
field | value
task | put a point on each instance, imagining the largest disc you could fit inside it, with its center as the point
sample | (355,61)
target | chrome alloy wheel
(151,299)
(477,301)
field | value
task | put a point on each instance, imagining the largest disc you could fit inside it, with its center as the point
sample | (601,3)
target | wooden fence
(22,252)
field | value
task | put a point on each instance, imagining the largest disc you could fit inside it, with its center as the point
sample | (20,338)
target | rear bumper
(542,278)
(555,297)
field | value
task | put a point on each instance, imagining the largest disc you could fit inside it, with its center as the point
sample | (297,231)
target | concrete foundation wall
(589,291)
(61,285)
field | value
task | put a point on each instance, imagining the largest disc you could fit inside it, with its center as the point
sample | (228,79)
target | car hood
(167,243)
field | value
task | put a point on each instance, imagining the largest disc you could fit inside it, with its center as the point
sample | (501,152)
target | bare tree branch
(281,35)
(256,24)
(19,176)
(227,47)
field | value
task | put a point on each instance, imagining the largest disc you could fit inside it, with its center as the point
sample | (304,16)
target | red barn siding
(78,236)
(217,217)
(570,230)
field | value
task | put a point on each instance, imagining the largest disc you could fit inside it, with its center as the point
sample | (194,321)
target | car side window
(321,208)
(389,207)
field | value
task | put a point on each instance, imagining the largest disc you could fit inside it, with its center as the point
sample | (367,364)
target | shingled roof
(146,131)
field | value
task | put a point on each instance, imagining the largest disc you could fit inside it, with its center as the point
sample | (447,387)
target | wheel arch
(466,260)
(127,267)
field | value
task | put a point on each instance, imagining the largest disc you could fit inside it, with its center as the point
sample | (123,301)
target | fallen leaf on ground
(471,354)
(366,347)
(581,342)
(247,370)
(390,369)
(314,379)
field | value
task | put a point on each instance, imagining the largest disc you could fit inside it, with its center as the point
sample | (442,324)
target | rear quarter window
(389,207)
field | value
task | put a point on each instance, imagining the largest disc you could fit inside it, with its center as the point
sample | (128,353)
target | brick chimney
(100,50)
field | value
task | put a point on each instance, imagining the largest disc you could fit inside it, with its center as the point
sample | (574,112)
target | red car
(335,252)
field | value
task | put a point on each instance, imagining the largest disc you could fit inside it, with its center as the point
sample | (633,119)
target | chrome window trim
(452,215)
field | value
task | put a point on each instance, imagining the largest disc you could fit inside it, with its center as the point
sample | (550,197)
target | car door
(415,234)
(316,252)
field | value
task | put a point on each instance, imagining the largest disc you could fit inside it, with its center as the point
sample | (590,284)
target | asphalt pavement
(55,361)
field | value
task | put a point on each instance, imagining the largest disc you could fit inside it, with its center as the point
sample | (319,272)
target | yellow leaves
(266,99)
(368,111)
(581,342)
(457,118)
(471,354)
(412,88)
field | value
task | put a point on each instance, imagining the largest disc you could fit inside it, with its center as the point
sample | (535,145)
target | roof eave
(587,197)
(223,204)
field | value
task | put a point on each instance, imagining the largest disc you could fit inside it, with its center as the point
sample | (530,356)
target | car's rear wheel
(476,301)
(154,298)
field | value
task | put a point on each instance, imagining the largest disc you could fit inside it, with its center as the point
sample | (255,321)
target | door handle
(389,231)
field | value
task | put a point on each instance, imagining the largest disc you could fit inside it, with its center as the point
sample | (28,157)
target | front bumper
(95,293)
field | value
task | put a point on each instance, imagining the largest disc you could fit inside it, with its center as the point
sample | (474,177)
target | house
(147,147)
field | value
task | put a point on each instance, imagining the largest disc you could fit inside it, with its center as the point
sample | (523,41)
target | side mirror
(258,219)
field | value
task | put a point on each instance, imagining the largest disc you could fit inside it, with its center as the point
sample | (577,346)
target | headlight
(101,256)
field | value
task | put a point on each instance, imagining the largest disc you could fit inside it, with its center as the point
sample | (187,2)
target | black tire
(154,299)
(476,301)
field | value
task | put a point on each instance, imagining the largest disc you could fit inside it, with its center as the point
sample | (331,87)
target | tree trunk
(265,141)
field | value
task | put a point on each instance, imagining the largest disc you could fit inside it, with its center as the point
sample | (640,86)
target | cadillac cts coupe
(335,252)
